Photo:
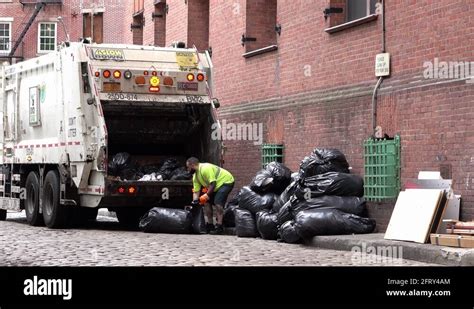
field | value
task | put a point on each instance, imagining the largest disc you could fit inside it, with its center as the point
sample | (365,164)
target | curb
(426,253)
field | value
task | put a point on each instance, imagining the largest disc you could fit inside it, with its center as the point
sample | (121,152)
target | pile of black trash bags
(323,198)
(122,166)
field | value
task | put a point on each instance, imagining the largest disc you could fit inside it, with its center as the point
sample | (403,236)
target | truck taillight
(121,190)
(168,81)
(106,74)
(117,74)
(200,77)
(140,80)
(155,89)
(132,190)
(97,74)
(190,77)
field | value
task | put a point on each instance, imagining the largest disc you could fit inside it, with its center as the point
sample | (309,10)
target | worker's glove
(203,199)
(195,203)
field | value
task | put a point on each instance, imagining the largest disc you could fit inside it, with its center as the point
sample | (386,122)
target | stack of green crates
(382,169)
(272,152)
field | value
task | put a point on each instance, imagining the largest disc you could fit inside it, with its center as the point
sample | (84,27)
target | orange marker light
(154,73)
(190,77)
(106,74)
(145,72)
(200,77)
(117,74)
(97,74)
(155,89)
(132,190)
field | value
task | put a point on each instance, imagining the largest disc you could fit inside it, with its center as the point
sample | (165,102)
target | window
(198,24)
(93,23)
(359,8)
(5,37)
(272,153)
(382,169)
(260,29)
(46,37)
(137,29)
(159,18)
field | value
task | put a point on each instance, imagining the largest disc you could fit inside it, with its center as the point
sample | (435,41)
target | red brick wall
(330,107)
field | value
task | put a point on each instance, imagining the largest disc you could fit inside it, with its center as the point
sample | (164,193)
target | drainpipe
(379,82)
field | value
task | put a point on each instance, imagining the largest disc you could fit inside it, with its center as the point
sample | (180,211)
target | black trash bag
(245,225)
(295,177)
(255,202)
(166,220)
(168,167)
(323,161)
(285,214)
(229,217)
(181,174)
(348,204)
(284,196)
(199,223)
(130,173)
(262,182)
(313,222)
(332,183)
(148,169)
(281,176)
(120,161)
(267,225)
(287,233)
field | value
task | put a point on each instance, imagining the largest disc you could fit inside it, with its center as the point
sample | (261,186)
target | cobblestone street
(103,243)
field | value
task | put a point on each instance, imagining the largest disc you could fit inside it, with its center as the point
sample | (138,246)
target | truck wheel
(129,217)
(55,215)
(3,215)
(33,217)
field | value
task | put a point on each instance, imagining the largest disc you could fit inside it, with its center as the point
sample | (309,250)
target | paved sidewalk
(427,253)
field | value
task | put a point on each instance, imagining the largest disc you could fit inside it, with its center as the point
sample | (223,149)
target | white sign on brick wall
(382,64)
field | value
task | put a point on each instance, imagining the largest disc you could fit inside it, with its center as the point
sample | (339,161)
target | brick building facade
(305,69)
(309,78)
(76,17)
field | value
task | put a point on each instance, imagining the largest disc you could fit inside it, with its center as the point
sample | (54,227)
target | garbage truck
(65,114)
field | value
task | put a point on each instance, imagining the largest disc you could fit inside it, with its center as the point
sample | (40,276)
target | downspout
(379,82)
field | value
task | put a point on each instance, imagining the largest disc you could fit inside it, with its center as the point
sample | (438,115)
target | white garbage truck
(67,113)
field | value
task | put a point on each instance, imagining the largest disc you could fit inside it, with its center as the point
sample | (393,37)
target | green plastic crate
(382,169)
(272,152)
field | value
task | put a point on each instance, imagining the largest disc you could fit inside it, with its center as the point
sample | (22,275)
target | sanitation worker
(215,183)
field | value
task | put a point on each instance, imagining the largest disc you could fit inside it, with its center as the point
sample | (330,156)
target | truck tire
(32,185)
(55,215)
(3,215)
(129,217)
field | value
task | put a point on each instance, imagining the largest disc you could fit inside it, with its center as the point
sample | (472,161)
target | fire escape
(39,5)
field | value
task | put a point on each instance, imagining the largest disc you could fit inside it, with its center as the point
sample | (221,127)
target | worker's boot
(219,230)
(209,228)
